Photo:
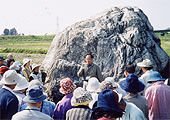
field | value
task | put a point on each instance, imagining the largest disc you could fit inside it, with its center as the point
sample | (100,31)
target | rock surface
(116,37)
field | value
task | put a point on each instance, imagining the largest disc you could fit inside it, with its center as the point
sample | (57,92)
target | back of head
(130,69)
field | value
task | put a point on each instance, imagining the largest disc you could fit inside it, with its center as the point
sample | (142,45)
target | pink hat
(67,86)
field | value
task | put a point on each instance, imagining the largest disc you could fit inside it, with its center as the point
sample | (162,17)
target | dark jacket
(8,104)
(92,71)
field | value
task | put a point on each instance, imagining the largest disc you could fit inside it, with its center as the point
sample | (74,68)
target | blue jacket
(8,104)
(47,107)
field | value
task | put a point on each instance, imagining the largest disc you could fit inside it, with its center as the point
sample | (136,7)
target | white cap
(35,65)
(93,85)
(145,63)
(112,81)
(22,84)
(36,82)
(26,60)
(9,54)
(10,77)
(15,66)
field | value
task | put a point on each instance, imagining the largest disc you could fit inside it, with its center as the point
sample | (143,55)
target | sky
(39,17)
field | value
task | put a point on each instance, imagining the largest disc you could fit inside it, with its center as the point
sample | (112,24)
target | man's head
(89,59)
(1,60)
(145,65)
(129,69)
(10,56)
(34,96)
(10,79)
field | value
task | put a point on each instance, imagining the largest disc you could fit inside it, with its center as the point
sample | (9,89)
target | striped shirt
(79,113)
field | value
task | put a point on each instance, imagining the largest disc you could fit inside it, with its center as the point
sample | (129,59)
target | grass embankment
(25,44)
(165,42)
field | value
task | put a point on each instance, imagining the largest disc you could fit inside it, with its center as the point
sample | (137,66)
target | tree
(6,31)
(13,31)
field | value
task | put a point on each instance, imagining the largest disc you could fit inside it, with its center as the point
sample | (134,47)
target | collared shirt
(158,97)
(31,113)
(62,107)
(133,113)
(9,89)
(139,101)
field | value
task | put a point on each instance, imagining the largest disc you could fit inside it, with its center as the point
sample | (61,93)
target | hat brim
(3,81)
(155,79)
(104,108)
(138,88)
(83,103)
(143,65)
(29,100)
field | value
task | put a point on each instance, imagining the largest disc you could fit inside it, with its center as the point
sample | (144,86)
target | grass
(25,44)
(165,42)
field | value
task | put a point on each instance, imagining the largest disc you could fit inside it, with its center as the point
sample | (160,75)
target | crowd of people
(23,96)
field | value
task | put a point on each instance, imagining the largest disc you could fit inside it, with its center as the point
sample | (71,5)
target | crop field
(35,47)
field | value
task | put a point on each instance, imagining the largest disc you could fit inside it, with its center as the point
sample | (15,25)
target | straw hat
(145,63)
(93,85)
(10,77)
(80,97)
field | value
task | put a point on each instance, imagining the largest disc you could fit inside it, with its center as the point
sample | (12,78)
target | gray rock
(116,37)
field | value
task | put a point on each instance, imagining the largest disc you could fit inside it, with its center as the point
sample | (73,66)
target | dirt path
(36,58)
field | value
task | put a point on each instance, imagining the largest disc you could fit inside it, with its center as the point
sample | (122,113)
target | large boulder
(116,37)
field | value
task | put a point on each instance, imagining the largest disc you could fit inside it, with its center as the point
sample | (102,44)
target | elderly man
(158,98)
(88,70)
(146,66)
(8,100)
(34,98)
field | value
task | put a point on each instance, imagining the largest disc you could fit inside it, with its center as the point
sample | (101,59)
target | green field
(32,44)
(25,44)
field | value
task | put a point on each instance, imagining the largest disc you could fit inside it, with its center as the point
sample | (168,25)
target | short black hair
(130,68)
(90,55)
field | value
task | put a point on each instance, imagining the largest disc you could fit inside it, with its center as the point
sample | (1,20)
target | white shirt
(133,113)
(31,113)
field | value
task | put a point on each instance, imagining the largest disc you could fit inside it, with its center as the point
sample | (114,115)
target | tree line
(12,31)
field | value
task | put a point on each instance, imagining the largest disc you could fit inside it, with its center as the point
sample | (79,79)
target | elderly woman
(80,101)
(26,68)
(67,88)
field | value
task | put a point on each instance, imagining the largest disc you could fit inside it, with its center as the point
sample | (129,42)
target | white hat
(9,54)
(10,77)
(26,60)
(15,66)
(93,85)
(22,84)
(145,63)
(35,65)
(81,97)
(111,79)
(36,82)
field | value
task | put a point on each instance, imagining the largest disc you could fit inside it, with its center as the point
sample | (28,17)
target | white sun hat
(93,84)
(35,65)
(22,84)
(26,60)
(111,79)
(10,77)
(15,66)
(145,63)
